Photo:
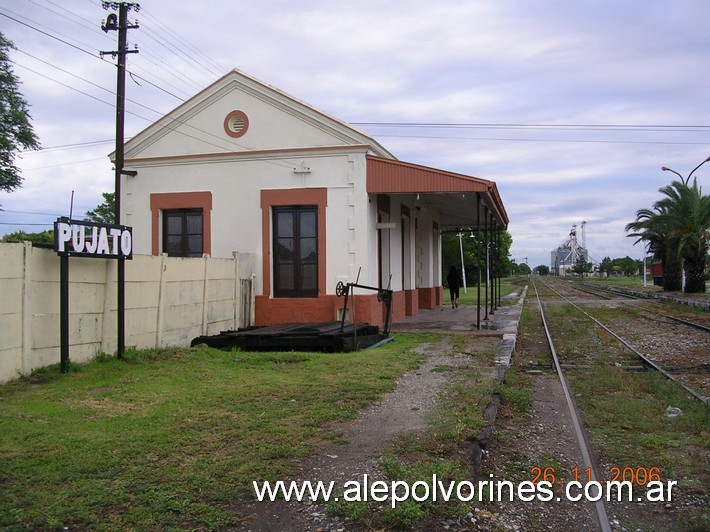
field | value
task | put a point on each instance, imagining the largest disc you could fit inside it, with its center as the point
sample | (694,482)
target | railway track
(676,347)
(698,320)
(619,419)
(599,508)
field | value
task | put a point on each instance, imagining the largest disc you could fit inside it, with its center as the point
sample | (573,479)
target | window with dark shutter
(183,232)
(295,251)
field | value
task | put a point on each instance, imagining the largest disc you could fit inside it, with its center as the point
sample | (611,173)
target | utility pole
(120,23)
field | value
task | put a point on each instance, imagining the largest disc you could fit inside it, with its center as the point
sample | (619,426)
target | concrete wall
(169,301)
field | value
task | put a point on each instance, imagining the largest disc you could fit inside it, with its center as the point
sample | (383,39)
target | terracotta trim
(181,200)
(248,153)
(245,120)
(273,311)
(286,197)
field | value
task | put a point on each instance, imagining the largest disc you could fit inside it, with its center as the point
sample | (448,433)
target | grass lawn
(169,438)
(636,283)
(508,286)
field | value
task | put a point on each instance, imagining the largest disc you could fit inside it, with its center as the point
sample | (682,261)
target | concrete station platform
(504,320)
(502,323)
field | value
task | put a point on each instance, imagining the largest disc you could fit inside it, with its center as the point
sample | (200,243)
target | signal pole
(120,23)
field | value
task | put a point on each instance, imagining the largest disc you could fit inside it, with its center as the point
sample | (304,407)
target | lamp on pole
(645,255)
(488,270)
(685,181)
(463,267)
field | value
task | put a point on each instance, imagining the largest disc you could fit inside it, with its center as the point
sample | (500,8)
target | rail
(586,456)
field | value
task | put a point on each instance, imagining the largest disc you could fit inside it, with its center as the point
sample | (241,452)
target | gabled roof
(177,121)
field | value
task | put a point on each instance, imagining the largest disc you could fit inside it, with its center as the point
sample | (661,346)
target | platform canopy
(453,196)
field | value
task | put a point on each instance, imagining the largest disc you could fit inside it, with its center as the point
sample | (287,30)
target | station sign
(80,238)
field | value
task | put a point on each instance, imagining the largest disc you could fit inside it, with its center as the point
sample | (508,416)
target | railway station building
(308,200)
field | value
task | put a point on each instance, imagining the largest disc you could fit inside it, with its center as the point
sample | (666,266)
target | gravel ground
(402,411)
(543,438)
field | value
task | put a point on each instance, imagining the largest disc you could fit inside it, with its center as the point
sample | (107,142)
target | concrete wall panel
(169,301)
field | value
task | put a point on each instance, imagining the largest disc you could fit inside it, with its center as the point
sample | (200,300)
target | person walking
(454,281)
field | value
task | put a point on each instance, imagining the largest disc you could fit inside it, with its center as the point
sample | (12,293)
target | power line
(179,122)
(92,27)
(168,69)
(504,126)
(221,147)
(592,127)
(32,213)
(50,224)
(69,146)
(179,37)
(92,54)
(175,72)
(50,35)
(89,24)
(583,141)
(61,83)
(175,50)
(64,164)
(112,92)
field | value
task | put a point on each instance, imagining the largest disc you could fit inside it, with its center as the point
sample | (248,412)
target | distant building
(564,258)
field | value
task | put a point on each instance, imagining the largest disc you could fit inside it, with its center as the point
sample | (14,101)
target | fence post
(26,306)
(237,291)
(106,329)
(205,287)
(161,304)
(252,300)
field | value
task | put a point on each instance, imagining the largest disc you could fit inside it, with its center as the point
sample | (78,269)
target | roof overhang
(455,197)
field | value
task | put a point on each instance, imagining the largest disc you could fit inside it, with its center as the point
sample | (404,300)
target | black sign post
(78,238)
(64,313)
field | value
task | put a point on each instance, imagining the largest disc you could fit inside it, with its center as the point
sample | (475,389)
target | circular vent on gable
(236,124)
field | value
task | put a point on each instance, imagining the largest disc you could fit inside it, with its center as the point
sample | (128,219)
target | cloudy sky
(570,107)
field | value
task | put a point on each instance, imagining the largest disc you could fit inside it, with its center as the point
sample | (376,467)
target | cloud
(450,62)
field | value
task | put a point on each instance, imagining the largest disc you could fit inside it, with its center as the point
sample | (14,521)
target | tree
(106,211)
(582,266)
(15,128)
(543,270)
(45,237)
(451,254)
(606,265)
(687,215)
(627,265)
(523,269)
(650,226)
(678,230)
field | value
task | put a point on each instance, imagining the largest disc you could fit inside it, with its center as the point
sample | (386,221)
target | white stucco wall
(189,151)
(236,217)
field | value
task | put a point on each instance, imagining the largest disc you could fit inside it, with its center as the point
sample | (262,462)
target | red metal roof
(388,176)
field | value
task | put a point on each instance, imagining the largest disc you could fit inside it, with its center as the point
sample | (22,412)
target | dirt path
(404,410)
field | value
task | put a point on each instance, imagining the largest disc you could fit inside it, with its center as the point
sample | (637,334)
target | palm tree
(688,216)
(650,227)
(678,229)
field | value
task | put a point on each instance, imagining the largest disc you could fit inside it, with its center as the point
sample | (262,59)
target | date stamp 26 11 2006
(621,480)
